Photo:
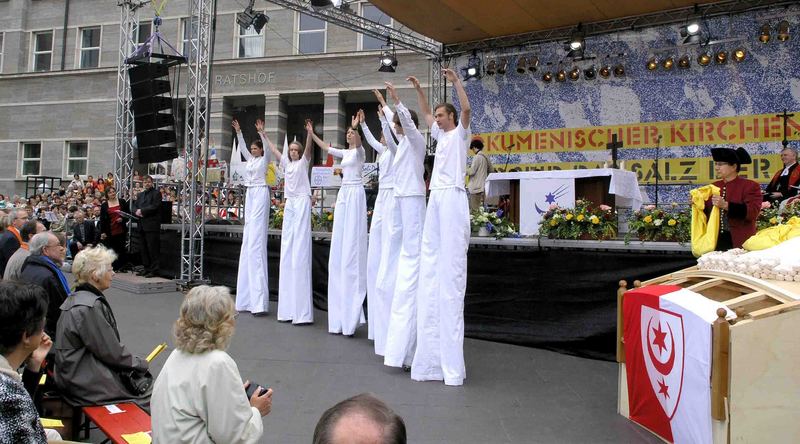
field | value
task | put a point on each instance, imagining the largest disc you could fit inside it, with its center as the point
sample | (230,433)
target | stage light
(605,70)
(693,28)
(721,57)
(249,18)
(652,64)
(668,63)
(502,67)
(684,62)
(589,73)
(691,32)
(533,64)
(704,59)
(491,67)
(739,55)
(619,71)
(574,73)
(547,77)
(522,65)
(764,36)
(783,31)
(577,43)
(321,3)
(473,68)
(388,62)
(561,76)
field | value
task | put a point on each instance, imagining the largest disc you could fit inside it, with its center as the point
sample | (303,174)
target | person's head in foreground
(362,419)
(93,266)
(206,320)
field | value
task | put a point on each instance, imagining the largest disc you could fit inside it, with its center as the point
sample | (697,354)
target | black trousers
(117,243)
(150,247)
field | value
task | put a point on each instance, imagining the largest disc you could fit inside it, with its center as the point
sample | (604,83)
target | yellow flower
(569,216)
(553,222)
(594,219)
(648,219)
(580,218)
(330,217)
(672,222)
(774,221)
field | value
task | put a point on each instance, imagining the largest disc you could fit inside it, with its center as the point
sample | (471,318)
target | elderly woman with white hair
(199,396)
(93,366)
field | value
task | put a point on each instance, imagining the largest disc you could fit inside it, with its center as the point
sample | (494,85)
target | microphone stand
(658,146)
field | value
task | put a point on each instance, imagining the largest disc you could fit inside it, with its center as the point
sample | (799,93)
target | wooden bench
(132,419)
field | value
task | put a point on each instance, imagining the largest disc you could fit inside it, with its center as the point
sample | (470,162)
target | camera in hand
(252,389)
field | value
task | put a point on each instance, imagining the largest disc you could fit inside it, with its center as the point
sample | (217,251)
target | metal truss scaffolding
(191,207)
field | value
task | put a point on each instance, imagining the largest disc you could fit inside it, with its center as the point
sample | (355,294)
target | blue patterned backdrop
(767,81)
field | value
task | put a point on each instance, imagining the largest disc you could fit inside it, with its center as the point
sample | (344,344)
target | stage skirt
(294,285)
(442,284)
(252,290)
(347,264)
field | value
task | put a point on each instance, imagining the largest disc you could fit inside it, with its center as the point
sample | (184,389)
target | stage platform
(132,283)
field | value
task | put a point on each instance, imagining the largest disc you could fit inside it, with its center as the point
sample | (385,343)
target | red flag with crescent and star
(667,331)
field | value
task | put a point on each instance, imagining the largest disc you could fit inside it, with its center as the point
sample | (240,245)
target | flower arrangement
(585,220)
(493,222)
(276,218)
(772,215)
(322,221)
(652,223)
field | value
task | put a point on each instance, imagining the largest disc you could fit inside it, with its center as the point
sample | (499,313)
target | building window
(371,12)
(90,47)
(143,33)
(42,50)
(251,43)
(311,35)
(77,158)
(188,35)
(31,154)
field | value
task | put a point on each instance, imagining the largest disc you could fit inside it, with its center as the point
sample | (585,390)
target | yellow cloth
(704,230)
(272,174)
(50,423)
(769,237)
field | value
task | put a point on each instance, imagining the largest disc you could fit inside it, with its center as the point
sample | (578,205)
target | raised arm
(386,128)
(265,140)
(357,137)
(240,145)
(424,108)
(466,110)
(385,110)
(409,128)
(309,132)
(376,145)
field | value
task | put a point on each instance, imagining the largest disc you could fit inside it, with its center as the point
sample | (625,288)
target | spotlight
(721,57)
(522,65)
(577,43)
(783,31)
(605,71)
(249,18)
(619,71)
(491,67)
(473,68)
(652,64)
(321,3)
(739,55)
(692,28)
(764,36)
(668,63)
(704,59)
(589,73)
(561,76)
(547,77)
(502,67)
(684,62)
(691,32)
(574,73)
(533,64)
(388,62)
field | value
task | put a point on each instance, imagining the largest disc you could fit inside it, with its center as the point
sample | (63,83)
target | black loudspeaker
(151,105)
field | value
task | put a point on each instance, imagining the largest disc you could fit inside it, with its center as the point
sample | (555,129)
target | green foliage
(653,223)
(584,220)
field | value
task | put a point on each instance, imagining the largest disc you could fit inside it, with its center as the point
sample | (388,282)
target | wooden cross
(613,146)
(785,118)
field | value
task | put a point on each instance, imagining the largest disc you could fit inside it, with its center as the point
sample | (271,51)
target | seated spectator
(199,396)
(43,268)
(84,234)
(22,342)
(76,184)
(360,419)
(93,367)
(14,265)
(11,238)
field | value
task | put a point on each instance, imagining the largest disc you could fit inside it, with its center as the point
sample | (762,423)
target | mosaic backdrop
(766,82)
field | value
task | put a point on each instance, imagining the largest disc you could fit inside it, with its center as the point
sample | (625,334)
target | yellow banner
(735,130)
(695,171)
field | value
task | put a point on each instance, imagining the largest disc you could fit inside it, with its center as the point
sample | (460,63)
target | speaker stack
(151,103)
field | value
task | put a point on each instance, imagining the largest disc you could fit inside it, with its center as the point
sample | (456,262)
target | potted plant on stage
(585,221)
(656,224)
(491,223)
(322,221)
(772,215)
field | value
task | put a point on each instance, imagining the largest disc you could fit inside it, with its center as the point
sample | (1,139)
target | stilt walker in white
(252,289)
(294,282)
(409,216)
(445,240)
(347,263)
(383,246)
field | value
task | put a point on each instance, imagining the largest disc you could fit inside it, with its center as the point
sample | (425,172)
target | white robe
(199,398)
(252,288)
(294,285)
(443,265)
(347,263)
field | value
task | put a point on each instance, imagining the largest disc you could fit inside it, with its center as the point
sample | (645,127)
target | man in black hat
(739,201)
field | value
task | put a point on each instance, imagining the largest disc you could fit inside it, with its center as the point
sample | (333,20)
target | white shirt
(199,398)
(255,168)
(450,164)
(410,157)
(352,164)
(786,170)
(385,157)
(295,176)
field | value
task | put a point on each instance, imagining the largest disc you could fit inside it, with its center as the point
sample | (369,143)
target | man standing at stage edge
(477,172)
(148,210)
(445,239)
